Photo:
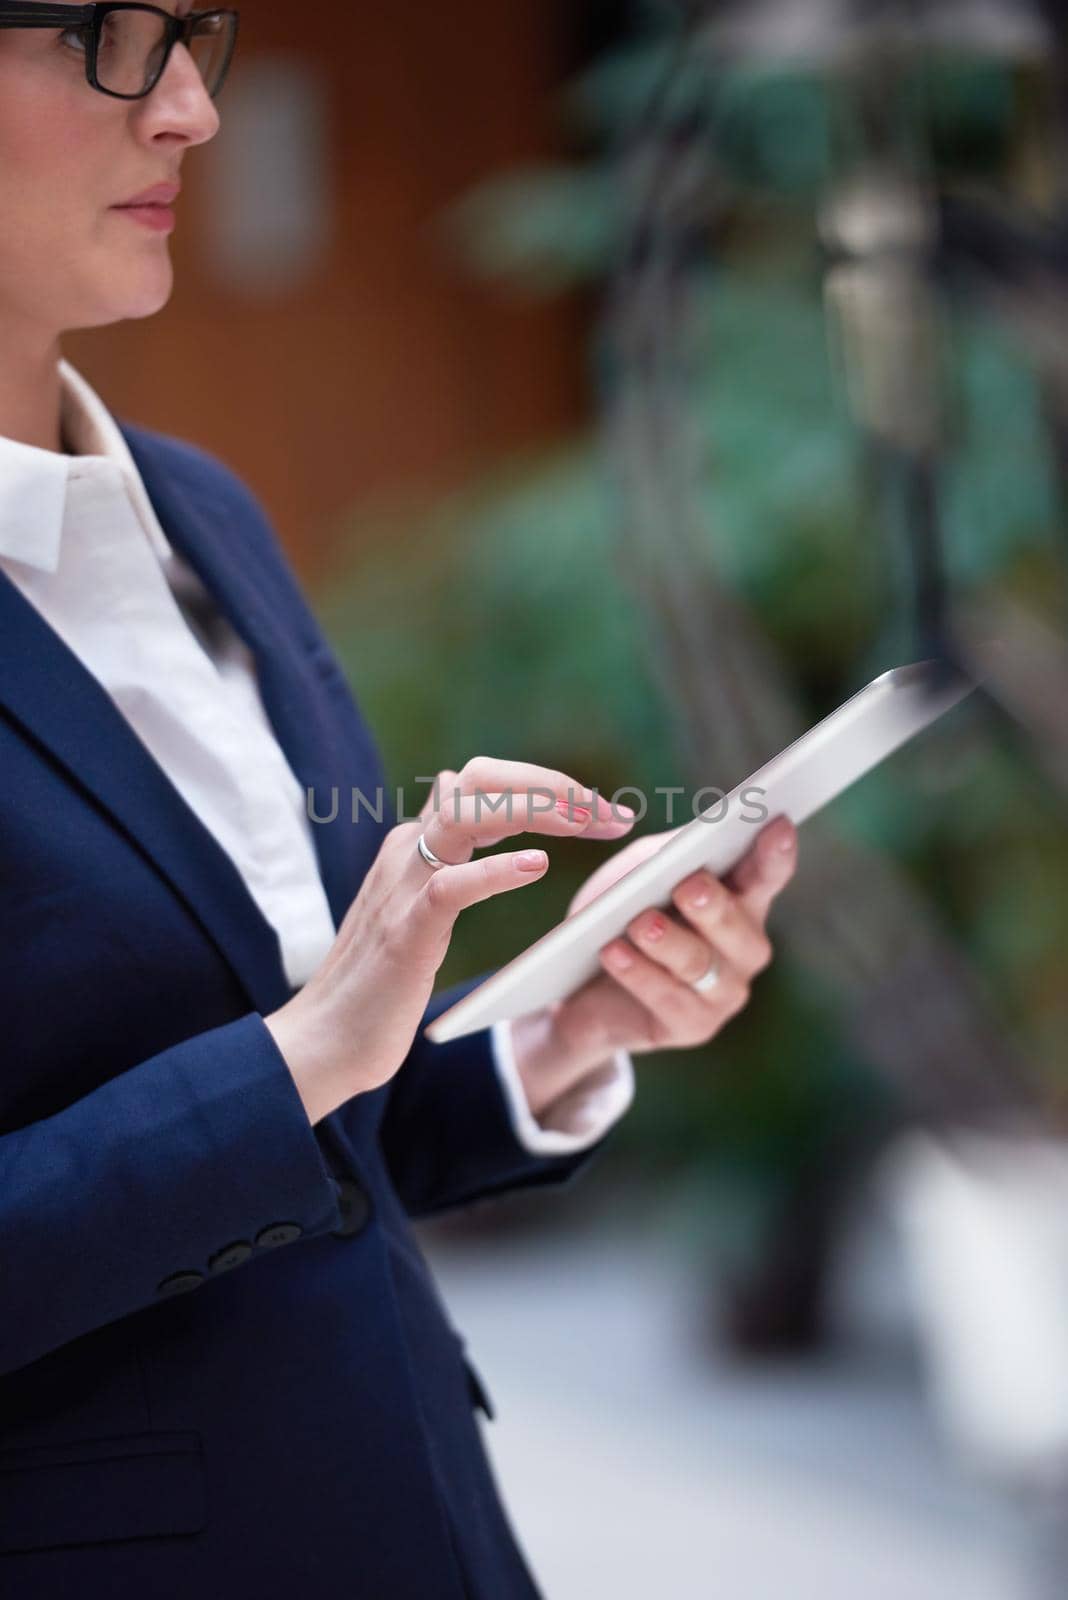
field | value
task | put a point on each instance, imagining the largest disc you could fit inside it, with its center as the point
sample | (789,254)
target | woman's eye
(79,35)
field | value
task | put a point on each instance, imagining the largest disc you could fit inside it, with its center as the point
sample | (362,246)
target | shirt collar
(33,482)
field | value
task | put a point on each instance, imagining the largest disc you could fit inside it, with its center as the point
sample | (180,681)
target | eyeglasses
(127,47)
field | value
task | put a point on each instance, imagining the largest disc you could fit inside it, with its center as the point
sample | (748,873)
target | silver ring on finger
(427,854)
(710,978)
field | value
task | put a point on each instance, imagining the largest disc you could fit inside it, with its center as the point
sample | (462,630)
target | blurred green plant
(502,621)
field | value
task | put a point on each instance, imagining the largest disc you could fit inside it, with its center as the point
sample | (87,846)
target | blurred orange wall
(383,370)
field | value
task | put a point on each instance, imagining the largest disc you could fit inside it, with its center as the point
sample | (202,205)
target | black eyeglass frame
(20,14)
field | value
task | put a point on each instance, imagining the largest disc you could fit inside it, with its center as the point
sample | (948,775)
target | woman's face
(68,156)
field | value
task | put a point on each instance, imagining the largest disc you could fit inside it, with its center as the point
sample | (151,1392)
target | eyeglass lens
(132,43)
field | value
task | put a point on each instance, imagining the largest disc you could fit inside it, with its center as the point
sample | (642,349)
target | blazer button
(278,1233)
(232,1255)
(354,1204)
(179,1282)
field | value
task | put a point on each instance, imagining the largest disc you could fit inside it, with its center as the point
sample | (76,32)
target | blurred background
(630,383)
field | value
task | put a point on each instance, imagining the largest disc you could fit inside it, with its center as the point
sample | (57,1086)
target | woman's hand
(644,999)
(350,1027)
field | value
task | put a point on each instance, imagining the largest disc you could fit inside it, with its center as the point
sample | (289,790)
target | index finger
(765,869)
(494,775)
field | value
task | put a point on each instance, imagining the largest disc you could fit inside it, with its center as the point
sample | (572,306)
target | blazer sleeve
(198,1160)
(447,1133)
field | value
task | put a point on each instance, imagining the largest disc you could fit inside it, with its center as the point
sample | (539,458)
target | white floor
(634,1467)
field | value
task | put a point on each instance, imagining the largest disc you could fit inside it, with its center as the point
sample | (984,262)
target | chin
(138,299)
(147,306)
(154,289)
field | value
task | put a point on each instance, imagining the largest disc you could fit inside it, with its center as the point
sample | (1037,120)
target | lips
(162,194)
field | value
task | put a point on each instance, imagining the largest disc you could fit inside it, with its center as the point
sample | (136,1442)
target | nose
(179,107)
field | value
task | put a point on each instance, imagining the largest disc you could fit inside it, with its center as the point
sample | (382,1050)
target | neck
(30,394)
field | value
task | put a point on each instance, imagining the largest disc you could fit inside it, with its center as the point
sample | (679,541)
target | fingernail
(573,813)
(654,929)
(531,860)
(625,811)
(786,843)
(617,955)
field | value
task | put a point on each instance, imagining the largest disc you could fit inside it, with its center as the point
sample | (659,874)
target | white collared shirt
(81,541)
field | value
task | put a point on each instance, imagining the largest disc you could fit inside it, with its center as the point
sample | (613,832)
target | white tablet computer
(805,776)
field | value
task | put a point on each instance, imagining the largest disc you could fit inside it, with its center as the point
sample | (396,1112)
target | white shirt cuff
(576,1119)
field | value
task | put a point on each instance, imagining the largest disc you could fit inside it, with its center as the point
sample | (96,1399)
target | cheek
(52,158)
(47,153)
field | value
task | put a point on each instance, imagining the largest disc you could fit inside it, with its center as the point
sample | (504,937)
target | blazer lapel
(59,703)
(303,721)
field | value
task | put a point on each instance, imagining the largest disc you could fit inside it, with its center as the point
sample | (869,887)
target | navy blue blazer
(225,1370)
